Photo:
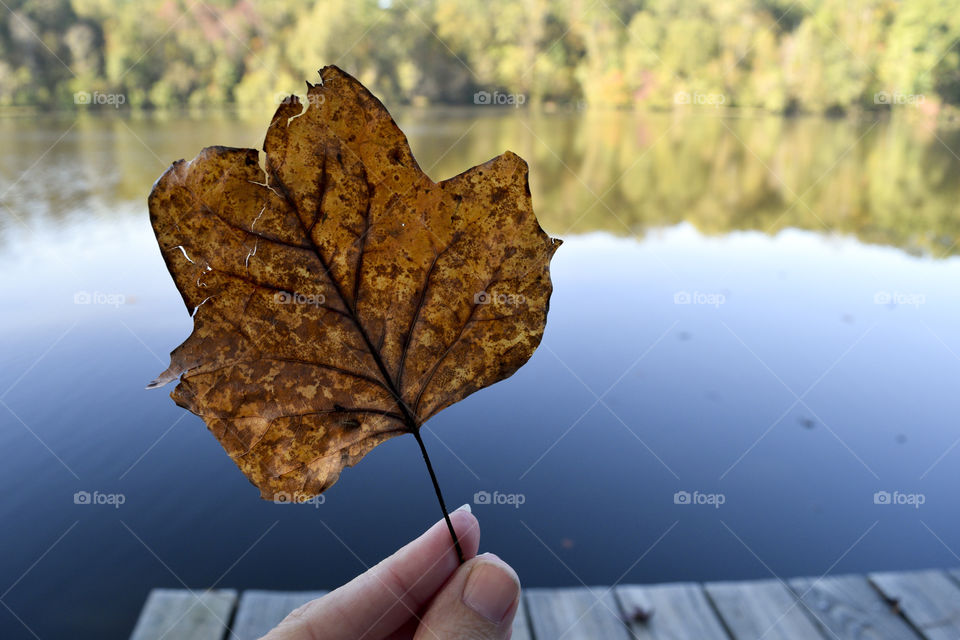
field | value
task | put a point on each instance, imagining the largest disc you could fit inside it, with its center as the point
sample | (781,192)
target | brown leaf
(340,296)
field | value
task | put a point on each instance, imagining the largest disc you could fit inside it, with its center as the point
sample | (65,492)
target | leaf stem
(436,487)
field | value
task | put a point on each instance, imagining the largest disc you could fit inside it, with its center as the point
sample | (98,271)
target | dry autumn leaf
(340,297)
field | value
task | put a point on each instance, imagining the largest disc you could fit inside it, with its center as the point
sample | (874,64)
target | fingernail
(491,589)
(464,507)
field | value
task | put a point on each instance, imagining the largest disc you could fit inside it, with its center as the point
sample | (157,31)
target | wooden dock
(887,606)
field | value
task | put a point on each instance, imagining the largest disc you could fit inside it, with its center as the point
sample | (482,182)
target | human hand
(419,592)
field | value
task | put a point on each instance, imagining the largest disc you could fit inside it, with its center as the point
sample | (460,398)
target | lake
(750,368)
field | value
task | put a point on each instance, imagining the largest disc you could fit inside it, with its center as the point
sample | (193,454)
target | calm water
(816,364)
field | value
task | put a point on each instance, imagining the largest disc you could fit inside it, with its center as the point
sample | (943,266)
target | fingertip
(492,589)
(467,528)
(480,600)
(494,559)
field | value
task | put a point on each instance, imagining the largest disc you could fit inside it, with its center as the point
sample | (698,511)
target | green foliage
(822,56)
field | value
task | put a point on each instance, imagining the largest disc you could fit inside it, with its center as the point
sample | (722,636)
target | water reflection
(885,182)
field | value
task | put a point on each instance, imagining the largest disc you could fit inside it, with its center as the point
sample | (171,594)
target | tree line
(817,56)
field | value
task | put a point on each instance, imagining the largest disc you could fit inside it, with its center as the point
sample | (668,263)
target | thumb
(478,602)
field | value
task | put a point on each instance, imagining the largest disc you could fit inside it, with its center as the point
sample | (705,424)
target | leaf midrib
(409,419)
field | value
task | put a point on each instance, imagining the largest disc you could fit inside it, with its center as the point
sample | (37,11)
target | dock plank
(955,574)
(851,609)
(676,611)
(762,609)
(521,623)
(575,614)
(892,606)
(929,599)
(178,614)
(260,611)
